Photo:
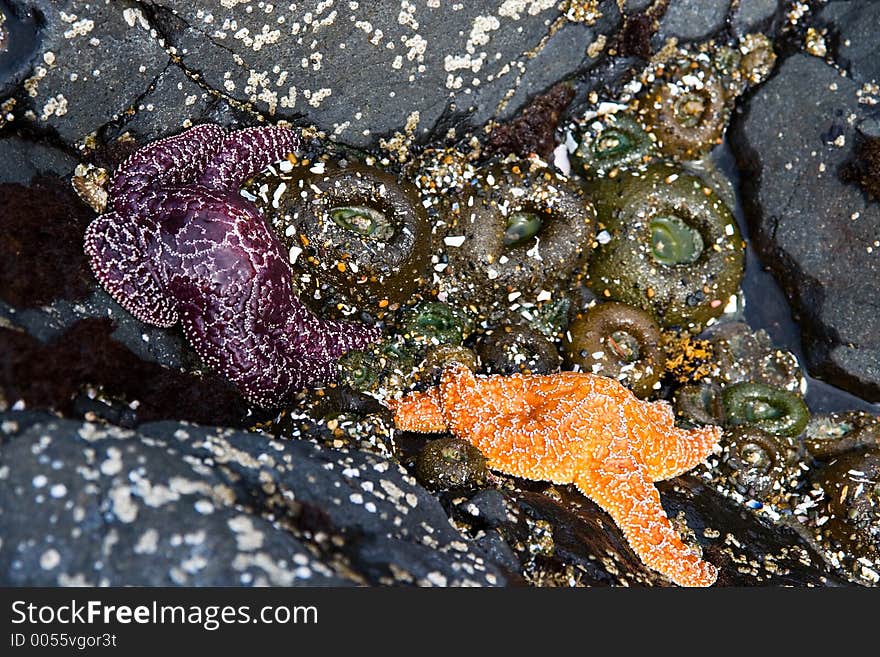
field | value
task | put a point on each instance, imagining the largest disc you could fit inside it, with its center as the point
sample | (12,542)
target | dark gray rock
(173,103)
(21,160)
(633,6)
(88,505)
(562,55)
(754,15)
(363,71)
(693,20)
(360,72)
(499,551)
(817,232)
(19,43)
(150,343)
(178,504)
(857,22)
(95,60)
(488,507)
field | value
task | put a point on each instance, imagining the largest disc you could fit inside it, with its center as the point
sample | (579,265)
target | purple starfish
(181,244)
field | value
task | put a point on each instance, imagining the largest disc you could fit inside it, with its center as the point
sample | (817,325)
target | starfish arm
(232,287)
(245,153)
(117,251)
(666,450)
(621,486)
(331,338)
(419,411)
(468,400)
(256,363)
(172,161)
(463,405)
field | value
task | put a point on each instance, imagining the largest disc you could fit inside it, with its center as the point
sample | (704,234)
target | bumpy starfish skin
(179,243)
(579,428)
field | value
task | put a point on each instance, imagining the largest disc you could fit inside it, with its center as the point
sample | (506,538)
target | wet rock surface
(816,230)
(358,71)
(691,20)
(748,552)
(175,504)
(19,40)
(752,15)
(175,101)
(852,24)
(122,492)
(22,160)
(562,538)
(90,67)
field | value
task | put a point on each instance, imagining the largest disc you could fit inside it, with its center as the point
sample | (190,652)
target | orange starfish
(580,428)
